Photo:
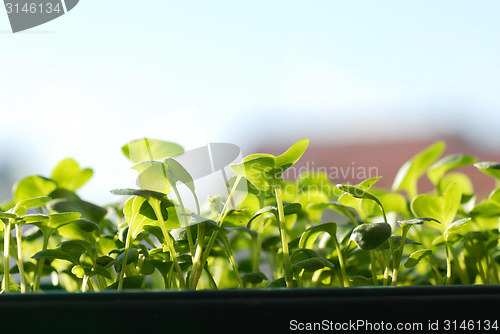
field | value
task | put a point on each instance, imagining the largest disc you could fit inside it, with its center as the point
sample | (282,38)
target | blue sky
(244,72)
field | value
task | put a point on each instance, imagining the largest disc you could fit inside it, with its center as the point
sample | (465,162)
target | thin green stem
(397,260)
(448,262)
(155,204)
(494,268)
(124,264)
(6,255)
(211,279)
(229,251)
(39,263)
(386,265)
(299,278)
(284,238)
(345,280)
(479,264)
(436,270)
(464,279)
(197,261)
(374,268)
(220,220)
(188,230)
(20,263)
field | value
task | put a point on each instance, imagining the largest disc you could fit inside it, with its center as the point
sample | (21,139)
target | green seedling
(275,236)
(405,226)
(265,171)
(420,255)
(409,174)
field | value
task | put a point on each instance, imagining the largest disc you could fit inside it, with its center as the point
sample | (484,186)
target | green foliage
(413,169)
(276,237)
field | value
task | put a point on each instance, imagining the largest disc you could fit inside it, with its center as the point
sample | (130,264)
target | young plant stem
(229,251)
(197,261)
(124,263)
(211,279)
(284,238)
(140,262)
(299,278)
(391,251)
(188,230)
(20,263)
(448,261)
(39,263)
(374,267)
(6,255)
(155,204)
(345,280)
(220,219)
(386,265)
(436,270)
(86,282)
(494,267)
(478,258)
(463,277)
(397,260)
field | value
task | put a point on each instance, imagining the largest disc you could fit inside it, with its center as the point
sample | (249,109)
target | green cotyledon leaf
(443,208)
(413,169)
(489,168)
(449,162)
(69,175)
(150,149)
(266,170)
(371,235)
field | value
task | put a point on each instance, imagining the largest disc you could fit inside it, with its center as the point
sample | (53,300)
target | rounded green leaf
(216,204)
(100,271)
(456,225)
(69,175)
(76,246)
(489,168)
(254,277)
(293,154)
(162,266)
(462,179)
(236,218)
(152,176)
(130,282)
(133,255)
(307,240)
(417,221)
(443,208)
(57,254)
(79,271)
(33,218)
(33,186)
(368,236)
(57,220)
(87,210)
(413,169)
(32,202)
(416,257)
(150,149)
(445,164)
(8,215)
(396,242)
(313,264)
(176,172)
(302,254)
(147,194)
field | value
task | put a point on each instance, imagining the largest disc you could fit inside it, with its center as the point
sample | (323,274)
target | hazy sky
(245,72)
